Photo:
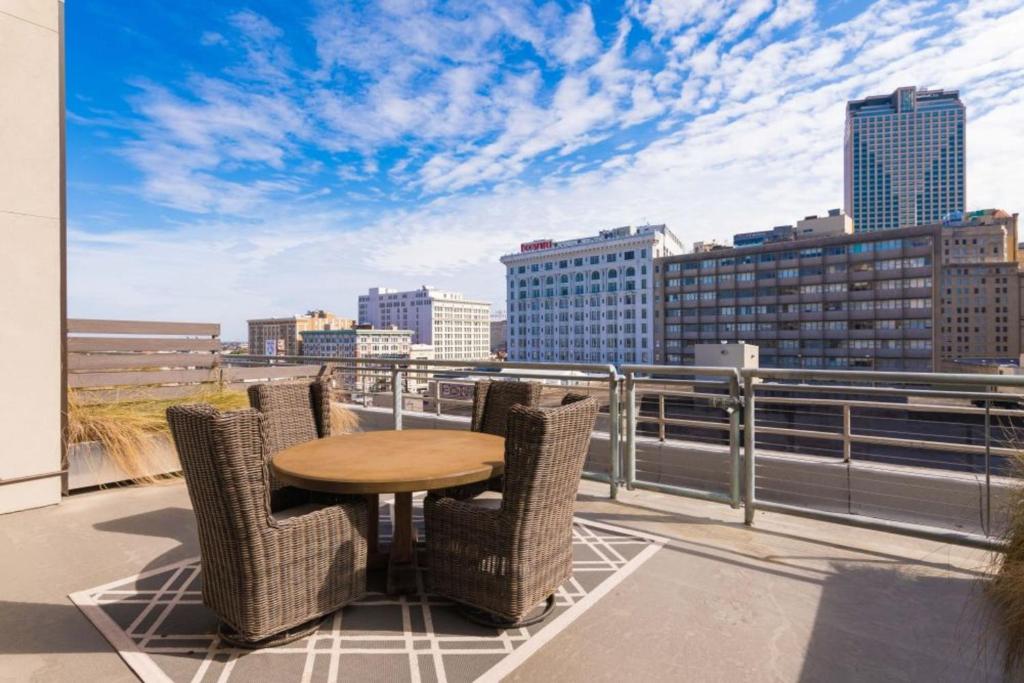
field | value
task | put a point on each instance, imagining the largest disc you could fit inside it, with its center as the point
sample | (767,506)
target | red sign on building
(536,245)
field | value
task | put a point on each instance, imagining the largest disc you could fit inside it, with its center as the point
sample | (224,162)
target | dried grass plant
(126,429)
(1006,587)
(343,419)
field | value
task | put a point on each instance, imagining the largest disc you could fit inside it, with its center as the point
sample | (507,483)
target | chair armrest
(340,520)
(449,515)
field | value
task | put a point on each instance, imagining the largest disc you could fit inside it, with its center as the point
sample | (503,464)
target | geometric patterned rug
(158,624)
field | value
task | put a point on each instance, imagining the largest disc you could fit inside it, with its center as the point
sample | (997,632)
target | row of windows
(580,302)
(770,360)
(564,291)
(791,290)
(550,341)
(811,252)
(864,285)
(562,264)
(596,275)
(580,356)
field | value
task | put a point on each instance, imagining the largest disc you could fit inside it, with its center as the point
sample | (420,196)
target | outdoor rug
(158,624)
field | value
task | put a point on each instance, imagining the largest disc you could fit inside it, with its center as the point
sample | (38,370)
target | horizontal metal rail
(735,392)
(890,526)
(912,407)
(902,392)
(962,379)
(32,477)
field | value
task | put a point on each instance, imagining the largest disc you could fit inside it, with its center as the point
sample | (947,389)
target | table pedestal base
(402,560)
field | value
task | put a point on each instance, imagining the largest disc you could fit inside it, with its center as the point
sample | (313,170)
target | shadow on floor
(885,625)
(175,523)
(652,515)
(43,628)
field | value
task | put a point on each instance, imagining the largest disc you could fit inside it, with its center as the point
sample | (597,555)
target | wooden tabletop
(392,461)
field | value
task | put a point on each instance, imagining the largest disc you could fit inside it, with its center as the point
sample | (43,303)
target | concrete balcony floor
(788,600)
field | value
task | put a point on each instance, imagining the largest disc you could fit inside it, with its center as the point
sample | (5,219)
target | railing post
(661,417)
(988,468)
(630,430)
(748,449)
(437,397)
(396,396)
(734,442)
(613,433)
(847,435)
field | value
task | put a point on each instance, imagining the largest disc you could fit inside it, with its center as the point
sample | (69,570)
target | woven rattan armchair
(294,413)
(503,558)
(491,404)
(269,577)
(493,400)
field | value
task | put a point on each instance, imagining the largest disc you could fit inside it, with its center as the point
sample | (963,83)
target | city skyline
(555,124)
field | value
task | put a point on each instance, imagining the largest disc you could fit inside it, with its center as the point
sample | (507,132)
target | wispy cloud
(402,142)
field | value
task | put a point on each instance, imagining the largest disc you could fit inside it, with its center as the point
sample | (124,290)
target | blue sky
(232,160)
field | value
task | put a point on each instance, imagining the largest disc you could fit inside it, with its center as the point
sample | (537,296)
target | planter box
(89,465)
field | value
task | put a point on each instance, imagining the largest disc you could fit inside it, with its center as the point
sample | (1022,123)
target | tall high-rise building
(457,328)
(904,158)
(586,300)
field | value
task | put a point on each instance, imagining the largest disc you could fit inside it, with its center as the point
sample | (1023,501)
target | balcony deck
(790,599)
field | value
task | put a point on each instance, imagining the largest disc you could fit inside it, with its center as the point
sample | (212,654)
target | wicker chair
(491,403)
(294,413)
(502,558)
(269,577)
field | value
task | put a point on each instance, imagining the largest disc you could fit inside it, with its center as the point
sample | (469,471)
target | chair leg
(484,618)
(232,637)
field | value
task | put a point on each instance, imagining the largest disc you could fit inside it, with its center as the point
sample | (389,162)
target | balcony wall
(31,257)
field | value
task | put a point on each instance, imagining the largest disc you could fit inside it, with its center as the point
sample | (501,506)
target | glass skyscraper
(904,158)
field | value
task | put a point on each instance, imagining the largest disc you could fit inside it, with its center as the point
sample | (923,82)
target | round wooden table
(399,462)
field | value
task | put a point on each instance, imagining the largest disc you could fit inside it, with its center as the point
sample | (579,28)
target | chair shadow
(39,628)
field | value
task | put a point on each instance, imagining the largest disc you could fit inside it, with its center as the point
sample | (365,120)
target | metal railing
(668,381)
(894,385)
(844,410)
(365,374)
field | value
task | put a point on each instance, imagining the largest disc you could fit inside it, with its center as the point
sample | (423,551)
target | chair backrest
(295,412)
(544,454)
(493,400)
(572,397)
(223,460)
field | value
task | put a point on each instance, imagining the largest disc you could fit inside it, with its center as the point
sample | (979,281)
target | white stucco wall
(30,252)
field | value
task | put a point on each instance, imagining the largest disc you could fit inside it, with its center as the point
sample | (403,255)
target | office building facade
(900,300)
(357,343)
(586,300)
(283,336)
(457,328)
(499,336)
(360,343)
(979,318)
(904,157)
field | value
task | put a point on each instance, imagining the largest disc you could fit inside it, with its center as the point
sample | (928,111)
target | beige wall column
(31,252)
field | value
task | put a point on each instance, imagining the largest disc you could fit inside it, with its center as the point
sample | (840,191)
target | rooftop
(626,232)
(791,599)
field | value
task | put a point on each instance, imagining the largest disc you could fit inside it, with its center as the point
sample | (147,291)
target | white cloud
(579,40)
(212,38)
(747,102)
